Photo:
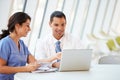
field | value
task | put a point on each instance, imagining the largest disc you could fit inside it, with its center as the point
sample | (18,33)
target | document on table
(44,68)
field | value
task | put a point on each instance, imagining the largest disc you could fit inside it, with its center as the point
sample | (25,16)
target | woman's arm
(8,69)
(31,59)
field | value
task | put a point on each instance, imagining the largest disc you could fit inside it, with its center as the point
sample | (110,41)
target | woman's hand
(32,66)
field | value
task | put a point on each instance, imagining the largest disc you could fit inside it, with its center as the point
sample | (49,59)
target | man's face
(58,27)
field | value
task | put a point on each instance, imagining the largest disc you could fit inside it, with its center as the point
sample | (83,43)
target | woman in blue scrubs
(13,52)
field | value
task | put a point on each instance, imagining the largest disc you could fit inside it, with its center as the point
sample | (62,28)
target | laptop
(75,59)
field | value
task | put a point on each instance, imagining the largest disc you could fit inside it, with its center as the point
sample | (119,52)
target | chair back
(111,45)
(110,59)
(118,40)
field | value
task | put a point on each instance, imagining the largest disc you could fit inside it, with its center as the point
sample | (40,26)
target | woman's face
(22,30)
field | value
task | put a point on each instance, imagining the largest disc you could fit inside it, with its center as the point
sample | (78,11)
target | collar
(61,39)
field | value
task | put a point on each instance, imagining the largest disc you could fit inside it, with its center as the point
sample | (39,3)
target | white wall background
(4,12)
(94,21)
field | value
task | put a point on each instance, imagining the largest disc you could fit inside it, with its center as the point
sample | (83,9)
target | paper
(45,67)
(45,70)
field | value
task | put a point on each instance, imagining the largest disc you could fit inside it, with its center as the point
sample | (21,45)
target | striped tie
(57,48)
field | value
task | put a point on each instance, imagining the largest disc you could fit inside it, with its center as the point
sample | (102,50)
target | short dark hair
(58,14)
(16,18)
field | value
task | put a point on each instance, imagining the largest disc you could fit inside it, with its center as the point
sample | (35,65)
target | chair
(110,59)
(111,45)
(118,40)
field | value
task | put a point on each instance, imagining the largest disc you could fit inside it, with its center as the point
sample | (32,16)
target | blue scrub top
(14,57)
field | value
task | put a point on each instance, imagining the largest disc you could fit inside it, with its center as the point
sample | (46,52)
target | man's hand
(58,55)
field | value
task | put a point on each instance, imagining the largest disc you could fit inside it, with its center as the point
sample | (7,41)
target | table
(96,72)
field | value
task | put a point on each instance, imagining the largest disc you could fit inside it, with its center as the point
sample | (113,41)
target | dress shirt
(45,48)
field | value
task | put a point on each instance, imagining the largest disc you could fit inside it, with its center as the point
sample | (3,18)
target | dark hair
(58,14)
(16,18)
